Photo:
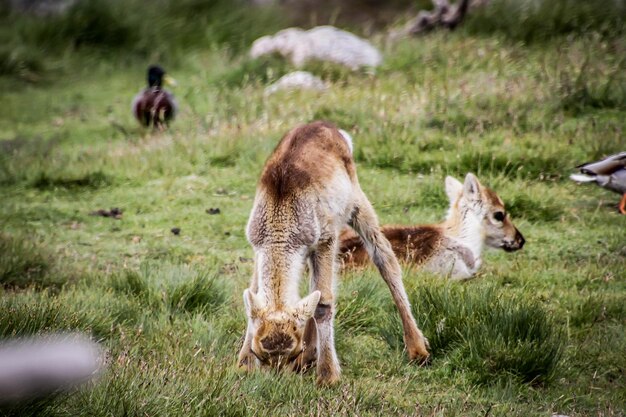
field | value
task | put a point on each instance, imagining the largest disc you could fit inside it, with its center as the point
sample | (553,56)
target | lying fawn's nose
(519,239)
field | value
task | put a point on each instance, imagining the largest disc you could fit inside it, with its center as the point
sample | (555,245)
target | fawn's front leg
(322,279)
(246,360)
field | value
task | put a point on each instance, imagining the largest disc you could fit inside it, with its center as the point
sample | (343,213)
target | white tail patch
(582,178)
(347,138)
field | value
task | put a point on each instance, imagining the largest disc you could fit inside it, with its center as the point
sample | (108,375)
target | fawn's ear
(471,187)
(306,307)
(453,188)
(254,304)
(309,347)
(309,340)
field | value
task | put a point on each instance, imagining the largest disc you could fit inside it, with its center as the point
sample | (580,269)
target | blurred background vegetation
(35,40)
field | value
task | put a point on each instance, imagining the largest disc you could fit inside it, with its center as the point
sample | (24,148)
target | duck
(609,173)
(155,106)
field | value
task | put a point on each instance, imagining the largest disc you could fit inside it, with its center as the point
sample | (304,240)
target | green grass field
(537,332)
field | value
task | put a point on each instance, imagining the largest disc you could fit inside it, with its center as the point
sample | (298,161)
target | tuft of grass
(333,72)
(160,389)
(22,63)
(523,164)
(162,31)
(268,69)
(532,209)
(175,288)
(15,151)
(597,309)
(42,313)
(592,88)
(132,283)
(219,22)
(537,21)
(518,339)
(263,70)
(92,23)
(482,331)
(93,180)
(344,118)
(203,293)
(362,306)
(482,116)
(101,314)
(24,263)
(611,143)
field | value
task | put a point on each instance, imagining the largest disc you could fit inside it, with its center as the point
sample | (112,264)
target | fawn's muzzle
(516,244)
(277,343)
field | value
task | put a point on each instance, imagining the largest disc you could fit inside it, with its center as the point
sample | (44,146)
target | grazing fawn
(308,192)
(476,217)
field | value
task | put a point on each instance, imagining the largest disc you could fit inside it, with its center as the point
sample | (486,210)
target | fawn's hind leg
(322,279)
(365,223)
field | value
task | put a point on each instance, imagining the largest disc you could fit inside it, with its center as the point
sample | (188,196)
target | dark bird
(609,173)
(155,106)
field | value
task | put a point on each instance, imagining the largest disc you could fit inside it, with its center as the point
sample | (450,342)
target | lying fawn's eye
(499,216)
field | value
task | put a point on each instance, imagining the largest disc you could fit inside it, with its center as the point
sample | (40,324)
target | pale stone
(323,43)
(297,80)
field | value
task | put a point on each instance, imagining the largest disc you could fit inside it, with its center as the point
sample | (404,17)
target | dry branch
(443,15)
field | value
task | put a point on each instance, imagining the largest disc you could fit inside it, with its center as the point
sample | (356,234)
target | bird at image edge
(154,106)
(609,173)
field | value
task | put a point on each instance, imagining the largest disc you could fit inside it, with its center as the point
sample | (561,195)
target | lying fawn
(307,193)
(476,217)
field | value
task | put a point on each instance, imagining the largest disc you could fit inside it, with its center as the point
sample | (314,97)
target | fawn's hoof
(246,363)
(327,381)
(302,367)
(421,360)
(327,376)
(419,352)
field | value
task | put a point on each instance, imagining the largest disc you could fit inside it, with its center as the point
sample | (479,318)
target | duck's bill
(167,80)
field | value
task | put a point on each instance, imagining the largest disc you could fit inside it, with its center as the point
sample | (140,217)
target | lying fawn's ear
(453,188)
(306,307)
(253,303)
(471,187)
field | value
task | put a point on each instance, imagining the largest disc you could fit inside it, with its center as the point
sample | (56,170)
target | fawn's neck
(467,229)
(278,275)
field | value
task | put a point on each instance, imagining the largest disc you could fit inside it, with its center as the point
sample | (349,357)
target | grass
(537,21)
(540,331)
(22,261)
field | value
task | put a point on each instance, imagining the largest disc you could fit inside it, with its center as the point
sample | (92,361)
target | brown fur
(414,244)
(305,156)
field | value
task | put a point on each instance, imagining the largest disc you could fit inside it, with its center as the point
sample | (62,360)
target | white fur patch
(347,138)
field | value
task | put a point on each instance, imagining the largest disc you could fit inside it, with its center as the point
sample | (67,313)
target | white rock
(297,80)
(324,43)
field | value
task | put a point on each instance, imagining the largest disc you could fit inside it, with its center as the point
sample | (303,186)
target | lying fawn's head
(285,337)
(472,198)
